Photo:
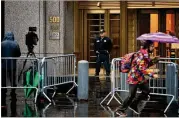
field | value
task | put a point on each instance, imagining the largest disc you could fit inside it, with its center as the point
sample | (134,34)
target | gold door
(114,33)
(94,21)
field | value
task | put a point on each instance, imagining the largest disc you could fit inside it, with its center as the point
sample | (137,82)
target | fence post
(83,80)
(172,80)
(123,80)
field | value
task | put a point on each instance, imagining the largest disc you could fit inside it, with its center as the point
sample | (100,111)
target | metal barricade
(115,78)
(167,81)
(158,86)
(12,71)
(174,60)
(58,70)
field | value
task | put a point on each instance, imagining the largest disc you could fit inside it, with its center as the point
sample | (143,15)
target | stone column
(177,30)
(177,23)
(123,27)
(62,35)
(42,27)
(62,25)
(162,28)
(132,29)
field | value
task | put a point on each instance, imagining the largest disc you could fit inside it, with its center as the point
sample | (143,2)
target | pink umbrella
(159,37)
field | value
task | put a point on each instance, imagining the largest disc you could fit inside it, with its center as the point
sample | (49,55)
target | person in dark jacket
(102,48)
(9,48)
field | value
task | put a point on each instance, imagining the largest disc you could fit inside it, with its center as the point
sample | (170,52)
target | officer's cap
(102,31)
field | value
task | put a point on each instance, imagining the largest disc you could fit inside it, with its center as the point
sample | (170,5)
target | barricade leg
(116,98)
(106,111)
(169,104)
(110,99)
(54,91)
(37,91)
(118,95)
(70,100)
(172,99)
(74,85)
(44,110)
(46,95)
(112,112)
(106,97)
(112,96)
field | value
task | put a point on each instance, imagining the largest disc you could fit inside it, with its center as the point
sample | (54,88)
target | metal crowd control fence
(11,69)
(58,70)
(164,85)
(53,71)
(115,74)
(174,60)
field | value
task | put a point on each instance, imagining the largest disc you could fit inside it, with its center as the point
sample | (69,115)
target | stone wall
(52,10)
(69,37)
(20,15)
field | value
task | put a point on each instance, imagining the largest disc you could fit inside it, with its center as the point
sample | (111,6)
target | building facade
(71,26)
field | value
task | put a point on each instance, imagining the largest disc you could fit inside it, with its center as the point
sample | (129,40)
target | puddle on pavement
(68,106)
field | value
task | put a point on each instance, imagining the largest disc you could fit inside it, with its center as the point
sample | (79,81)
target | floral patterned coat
(139,68)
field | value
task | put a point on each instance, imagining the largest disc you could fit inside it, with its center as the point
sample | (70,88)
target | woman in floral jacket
(137,77)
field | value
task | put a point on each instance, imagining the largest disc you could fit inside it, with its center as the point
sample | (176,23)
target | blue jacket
(9,48)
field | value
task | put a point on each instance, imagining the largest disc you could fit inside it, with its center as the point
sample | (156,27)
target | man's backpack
(126,62)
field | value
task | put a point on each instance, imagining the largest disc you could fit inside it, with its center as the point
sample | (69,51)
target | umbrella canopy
(159,37)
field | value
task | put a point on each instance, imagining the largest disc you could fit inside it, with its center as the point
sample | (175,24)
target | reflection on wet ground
(69,106)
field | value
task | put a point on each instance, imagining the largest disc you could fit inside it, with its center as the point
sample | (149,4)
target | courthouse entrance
(90,17)
(123,22)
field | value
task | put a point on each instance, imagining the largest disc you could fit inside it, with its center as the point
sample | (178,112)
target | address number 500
(54,19)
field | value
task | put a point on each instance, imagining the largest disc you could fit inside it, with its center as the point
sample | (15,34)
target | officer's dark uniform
(103,47)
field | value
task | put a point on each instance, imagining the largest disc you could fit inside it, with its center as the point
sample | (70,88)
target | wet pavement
(69,106)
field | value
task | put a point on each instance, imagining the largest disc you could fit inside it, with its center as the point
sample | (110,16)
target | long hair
(146,44)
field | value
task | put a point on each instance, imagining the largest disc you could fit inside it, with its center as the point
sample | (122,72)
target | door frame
(80,28)
(85,36)
(107,13)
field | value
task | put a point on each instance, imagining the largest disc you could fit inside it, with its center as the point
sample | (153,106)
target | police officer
(102,47)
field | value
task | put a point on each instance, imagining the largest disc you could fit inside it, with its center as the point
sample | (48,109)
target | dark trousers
(132,93)
(105,59)
(11,74)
